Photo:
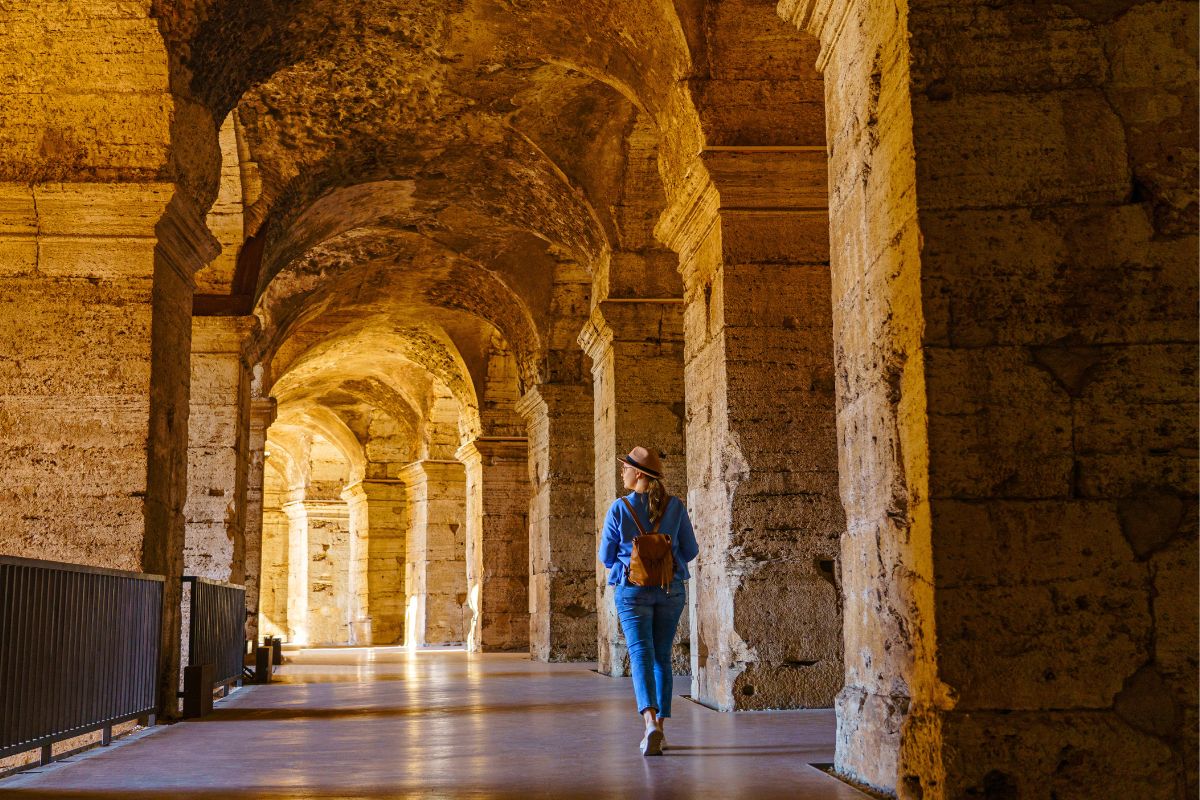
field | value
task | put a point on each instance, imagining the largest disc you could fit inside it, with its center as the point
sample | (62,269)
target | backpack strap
(633,513)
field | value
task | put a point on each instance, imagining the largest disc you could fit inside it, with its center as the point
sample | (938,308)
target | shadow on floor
(238,714)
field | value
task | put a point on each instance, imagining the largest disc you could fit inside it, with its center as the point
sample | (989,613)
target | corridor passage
(388,722)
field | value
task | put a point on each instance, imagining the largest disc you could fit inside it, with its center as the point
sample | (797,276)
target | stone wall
(94,314)
(1055,177)
(298,561)
(75,330)
(358,563)
(762,478)
(751,228)
(262,414)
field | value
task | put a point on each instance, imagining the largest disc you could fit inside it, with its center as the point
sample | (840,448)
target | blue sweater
(616,542)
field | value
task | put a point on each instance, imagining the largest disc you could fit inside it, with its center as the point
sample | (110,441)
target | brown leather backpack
(652,562)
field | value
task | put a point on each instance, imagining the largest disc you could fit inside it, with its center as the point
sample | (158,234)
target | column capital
(53,224)
(597,336)
(184,242)
(223,335)
(429,468)
(317,509)
(531,405)
(262,412)
(354,493)
(633,319)
(692,214)
(492,449)
(745,204)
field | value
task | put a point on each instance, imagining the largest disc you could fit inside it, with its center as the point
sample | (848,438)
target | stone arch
(387,270)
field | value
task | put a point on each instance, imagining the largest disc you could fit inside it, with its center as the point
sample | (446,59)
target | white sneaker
(652,743)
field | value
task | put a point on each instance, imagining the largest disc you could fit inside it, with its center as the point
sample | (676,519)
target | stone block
(1010,150)
(1053,754)
(998,426)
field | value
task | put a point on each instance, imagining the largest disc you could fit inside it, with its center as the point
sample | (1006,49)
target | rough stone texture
(330,599)
(273,587)
(435,190)
(762,472)
(435,582)
(562,573)
(1032,330)
(388,518)
(93,414)
(497,552)
(76,327)
(297,570)
(751,228)
(636,348)
(218,450)
(358,559)
(886,566)
(1069,421)
(262,414)
(86,94)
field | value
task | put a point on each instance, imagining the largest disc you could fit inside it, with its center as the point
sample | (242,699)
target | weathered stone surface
(1054,754)
(950,247)
(274,585)
(218,450)
(387,511)
(262,414)
(497,543)
(762,472)
(1038,232)
(636,349)
(435,554)
(330,612)
(562,574)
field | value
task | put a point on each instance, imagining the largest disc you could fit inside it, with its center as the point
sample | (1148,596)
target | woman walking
(646,544)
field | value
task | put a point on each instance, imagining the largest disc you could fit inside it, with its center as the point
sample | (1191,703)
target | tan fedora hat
(644,461)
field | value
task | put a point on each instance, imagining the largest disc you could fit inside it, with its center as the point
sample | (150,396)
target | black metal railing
(217,628)
(79,649)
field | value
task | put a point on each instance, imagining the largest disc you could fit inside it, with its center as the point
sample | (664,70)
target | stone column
(761,438)
(636,348)
(218,455)
(357,563)
(435,559)
(562,580)
(330,601)
(262,414)
(497,494)
(1014,284)
(297,560)
(273,577)
(95,328)
(387,509)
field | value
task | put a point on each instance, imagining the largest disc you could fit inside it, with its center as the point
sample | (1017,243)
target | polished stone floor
(387,722)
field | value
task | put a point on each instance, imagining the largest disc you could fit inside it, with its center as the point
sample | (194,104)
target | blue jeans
(649,616)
